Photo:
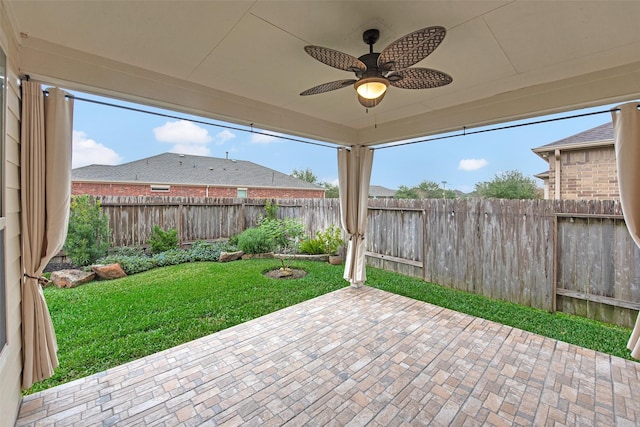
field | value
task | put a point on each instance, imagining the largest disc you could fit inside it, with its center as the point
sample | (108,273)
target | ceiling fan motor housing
(371,61)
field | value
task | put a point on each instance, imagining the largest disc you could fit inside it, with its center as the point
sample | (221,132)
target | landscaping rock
(109,271)
(258,256)
(71,278)
(230,256)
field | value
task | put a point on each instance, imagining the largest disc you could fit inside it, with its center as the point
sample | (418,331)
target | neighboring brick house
(185,175)
(582,166)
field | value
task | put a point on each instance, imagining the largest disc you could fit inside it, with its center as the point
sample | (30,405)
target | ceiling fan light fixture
(370,103)
(371,87)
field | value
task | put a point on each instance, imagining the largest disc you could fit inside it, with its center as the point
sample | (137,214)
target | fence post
(242,218)
(554,280)
(424,244)
(180,235)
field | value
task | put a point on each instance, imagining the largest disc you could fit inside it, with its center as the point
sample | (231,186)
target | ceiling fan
(376,71)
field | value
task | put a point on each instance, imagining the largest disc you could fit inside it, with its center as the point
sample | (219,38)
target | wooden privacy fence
(572,256)
(132,218)
(498,248)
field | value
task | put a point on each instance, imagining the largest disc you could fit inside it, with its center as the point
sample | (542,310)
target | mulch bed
(57,266)
(293,273)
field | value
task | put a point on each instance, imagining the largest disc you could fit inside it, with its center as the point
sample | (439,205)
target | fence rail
(573,256)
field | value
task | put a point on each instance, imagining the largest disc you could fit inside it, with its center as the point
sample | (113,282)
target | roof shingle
(171,168)
(597,134)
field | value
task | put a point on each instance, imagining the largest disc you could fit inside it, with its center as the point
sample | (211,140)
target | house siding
(11,356)
(589,173)
(118,189)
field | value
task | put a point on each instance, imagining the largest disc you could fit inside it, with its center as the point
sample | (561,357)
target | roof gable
(176,169)
(380,191)
(599,135)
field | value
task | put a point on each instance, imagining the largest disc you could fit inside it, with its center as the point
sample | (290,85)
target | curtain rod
(288,138)
(465,133)
(170,116)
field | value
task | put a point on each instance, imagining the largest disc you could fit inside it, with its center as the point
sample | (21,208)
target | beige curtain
(46,190)
(354,173)
(626,129)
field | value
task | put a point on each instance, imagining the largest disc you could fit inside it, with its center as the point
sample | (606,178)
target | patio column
(626,130)
(354,173)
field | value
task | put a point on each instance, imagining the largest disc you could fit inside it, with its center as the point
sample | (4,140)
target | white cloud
(193,149)
(472,164)
(332,181)
(224,136)
(89,152)
(182,132)
(264,137)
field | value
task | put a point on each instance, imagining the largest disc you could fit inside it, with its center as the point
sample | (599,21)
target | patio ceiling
(243,61)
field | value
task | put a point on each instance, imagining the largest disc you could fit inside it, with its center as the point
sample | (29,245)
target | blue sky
(107,135)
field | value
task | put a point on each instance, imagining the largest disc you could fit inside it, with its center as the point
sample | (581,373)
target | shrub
(331,239)
(286,233)
(202,250)
(133,260)
(312,246)
(171,257)
(256,241)
(325,242)
(162,241)
(88,234)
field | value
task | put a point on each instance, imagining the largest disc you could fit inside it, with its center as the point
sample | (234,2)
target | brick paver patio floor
(355,357)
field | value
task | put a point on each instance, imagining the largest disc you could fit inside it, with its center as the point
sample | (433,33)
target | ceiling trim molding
(76,70)
(617,84)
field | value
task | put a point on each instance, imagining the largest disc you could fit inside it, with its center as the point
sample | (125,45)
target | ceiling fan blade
(328,87)
(419,78)
(411,49)
(336,59)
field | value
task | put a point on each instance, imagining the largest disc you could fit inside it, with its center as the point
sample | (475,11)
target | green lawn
(105,324)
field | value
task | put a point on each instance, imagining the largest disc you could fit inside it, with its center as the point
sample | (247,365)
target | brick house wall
(118,189)
(588,173)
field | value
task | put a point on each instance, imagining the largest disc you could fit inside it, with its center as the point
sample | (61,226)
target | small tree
(285,233)
(305,175)
(331,191)
(88,234)
(508,185)
(425,190)
(405,192)
(430,190)
(270,209)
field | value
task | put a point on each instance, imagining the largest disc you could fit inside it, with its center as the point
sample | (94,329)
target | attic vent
(161,188)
